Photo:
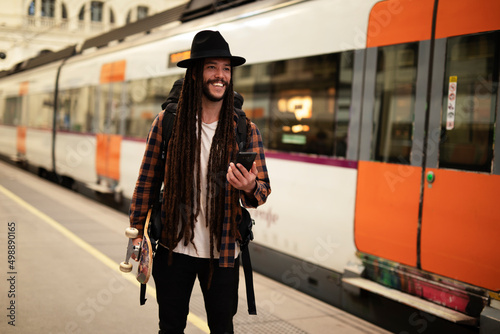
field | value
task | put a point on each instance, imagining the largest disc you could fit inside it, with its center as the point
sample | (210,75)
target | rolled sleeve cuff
(259,196)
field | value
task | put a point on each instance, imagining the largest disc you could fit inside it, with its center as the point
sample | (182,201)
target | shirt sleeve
(150,177)
(263,188)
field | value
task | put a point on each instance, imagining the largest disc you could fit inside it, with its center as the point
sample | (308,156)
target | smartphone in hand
(246,159)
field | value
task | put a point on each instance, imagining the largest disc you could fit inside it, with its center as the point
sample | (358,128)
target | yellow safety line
(195,320)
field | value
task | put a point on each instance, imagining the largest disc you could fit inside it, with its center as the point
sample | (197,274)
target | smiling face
(216,78)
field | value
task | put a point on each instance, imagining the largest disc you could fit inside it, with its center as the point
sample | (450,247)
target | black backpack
(246,224)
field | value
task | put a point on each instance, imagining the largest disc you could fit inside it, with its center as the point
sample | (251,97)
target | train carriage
(379,121)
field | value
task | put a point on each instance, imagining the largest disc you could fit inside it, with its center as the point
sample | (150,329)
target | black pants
(174,285)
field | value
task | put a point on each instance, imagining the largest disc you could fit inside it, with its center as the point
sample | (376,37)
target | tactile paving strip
(262,323)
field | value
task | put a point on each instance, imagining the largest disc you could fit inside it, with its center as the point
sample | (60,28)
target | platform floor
(63,276)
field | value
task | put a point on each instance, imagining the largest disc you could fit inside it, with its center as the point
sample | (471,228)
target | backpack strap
(245,229)
(167,128)
(142,298)
(246,221)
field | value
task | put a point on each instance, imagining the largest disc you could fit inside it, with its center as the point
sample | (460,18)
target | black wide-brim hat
(210,44)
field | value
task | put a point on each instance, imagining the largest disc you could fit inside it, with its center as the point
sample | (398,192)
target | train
(379,120)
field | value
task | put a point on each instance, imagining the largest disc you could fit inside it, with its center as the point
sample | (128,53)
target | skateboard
(144,252)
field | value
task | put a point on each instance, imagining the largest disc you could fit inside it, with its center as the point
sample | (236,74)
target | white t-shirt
(201,230)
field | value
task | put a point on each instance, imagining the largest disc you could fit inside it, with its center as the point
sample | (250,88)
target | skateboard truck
(143,253)
(131,233)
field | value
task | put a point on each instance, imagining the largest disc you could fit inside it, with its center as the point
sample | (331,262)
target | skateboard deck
(146,254)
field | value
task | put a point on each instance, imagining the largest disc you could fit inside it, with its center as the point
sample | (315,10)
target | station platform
(60,273)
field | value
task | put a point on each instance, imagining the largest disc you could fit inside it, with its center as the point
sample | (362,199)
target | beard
(210,96)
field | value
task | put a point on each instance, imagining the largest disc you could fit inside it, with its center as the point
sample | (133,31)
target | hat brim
(235,61)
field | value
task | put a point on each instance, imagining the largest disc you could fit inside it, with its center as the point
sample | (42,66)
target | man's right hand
(136,242)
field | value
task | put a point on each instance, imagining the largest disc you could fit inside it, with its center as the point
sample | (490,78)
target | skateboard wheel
(125,267)
(131,232)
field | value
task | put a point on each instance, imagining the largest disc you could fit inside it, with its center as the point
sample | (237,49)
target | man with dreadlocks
(203,190)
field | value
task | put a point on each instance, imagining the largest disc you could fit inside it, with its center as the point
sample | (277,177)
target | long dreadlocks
(182,179)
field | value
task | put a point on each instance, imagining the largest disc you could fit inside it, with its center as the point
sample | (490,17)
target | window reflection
(75,111)
(300,105)
(40,110)
(145,98)
(110,108)
(12,111)
(468,122)
(394,103)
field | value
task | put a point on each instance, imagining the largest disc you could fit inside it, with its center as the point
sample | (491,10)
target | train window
(95,102)
(145,98)
(63,111)
(12,112)
(109,107)
(394,103)
(75,112)
(300,86)
(301,105)
(40,110)
(341,126)
(245,71)
(252,82)
(469,102)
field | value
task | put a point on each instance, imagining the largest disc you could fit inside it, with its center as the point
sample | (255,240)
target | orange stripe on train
(463,17)
(405,21)
(113,72)
(108,155)
(21,140)
(399,21)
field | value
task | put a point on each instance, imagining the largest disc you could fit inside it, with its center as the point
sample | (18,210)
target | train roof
(189,11)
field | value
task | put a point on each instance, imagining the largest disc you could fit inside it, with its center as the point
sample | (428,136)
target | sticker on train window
(452,99)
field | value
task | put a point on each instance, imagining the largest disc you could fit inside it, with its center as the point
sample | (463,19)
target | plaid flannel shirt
(149,182)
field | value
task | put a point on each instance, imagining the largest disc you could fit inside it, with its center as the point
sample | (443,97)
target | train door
(110,95)
(14,115)
(389,171)
(428,178)
(462,186)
